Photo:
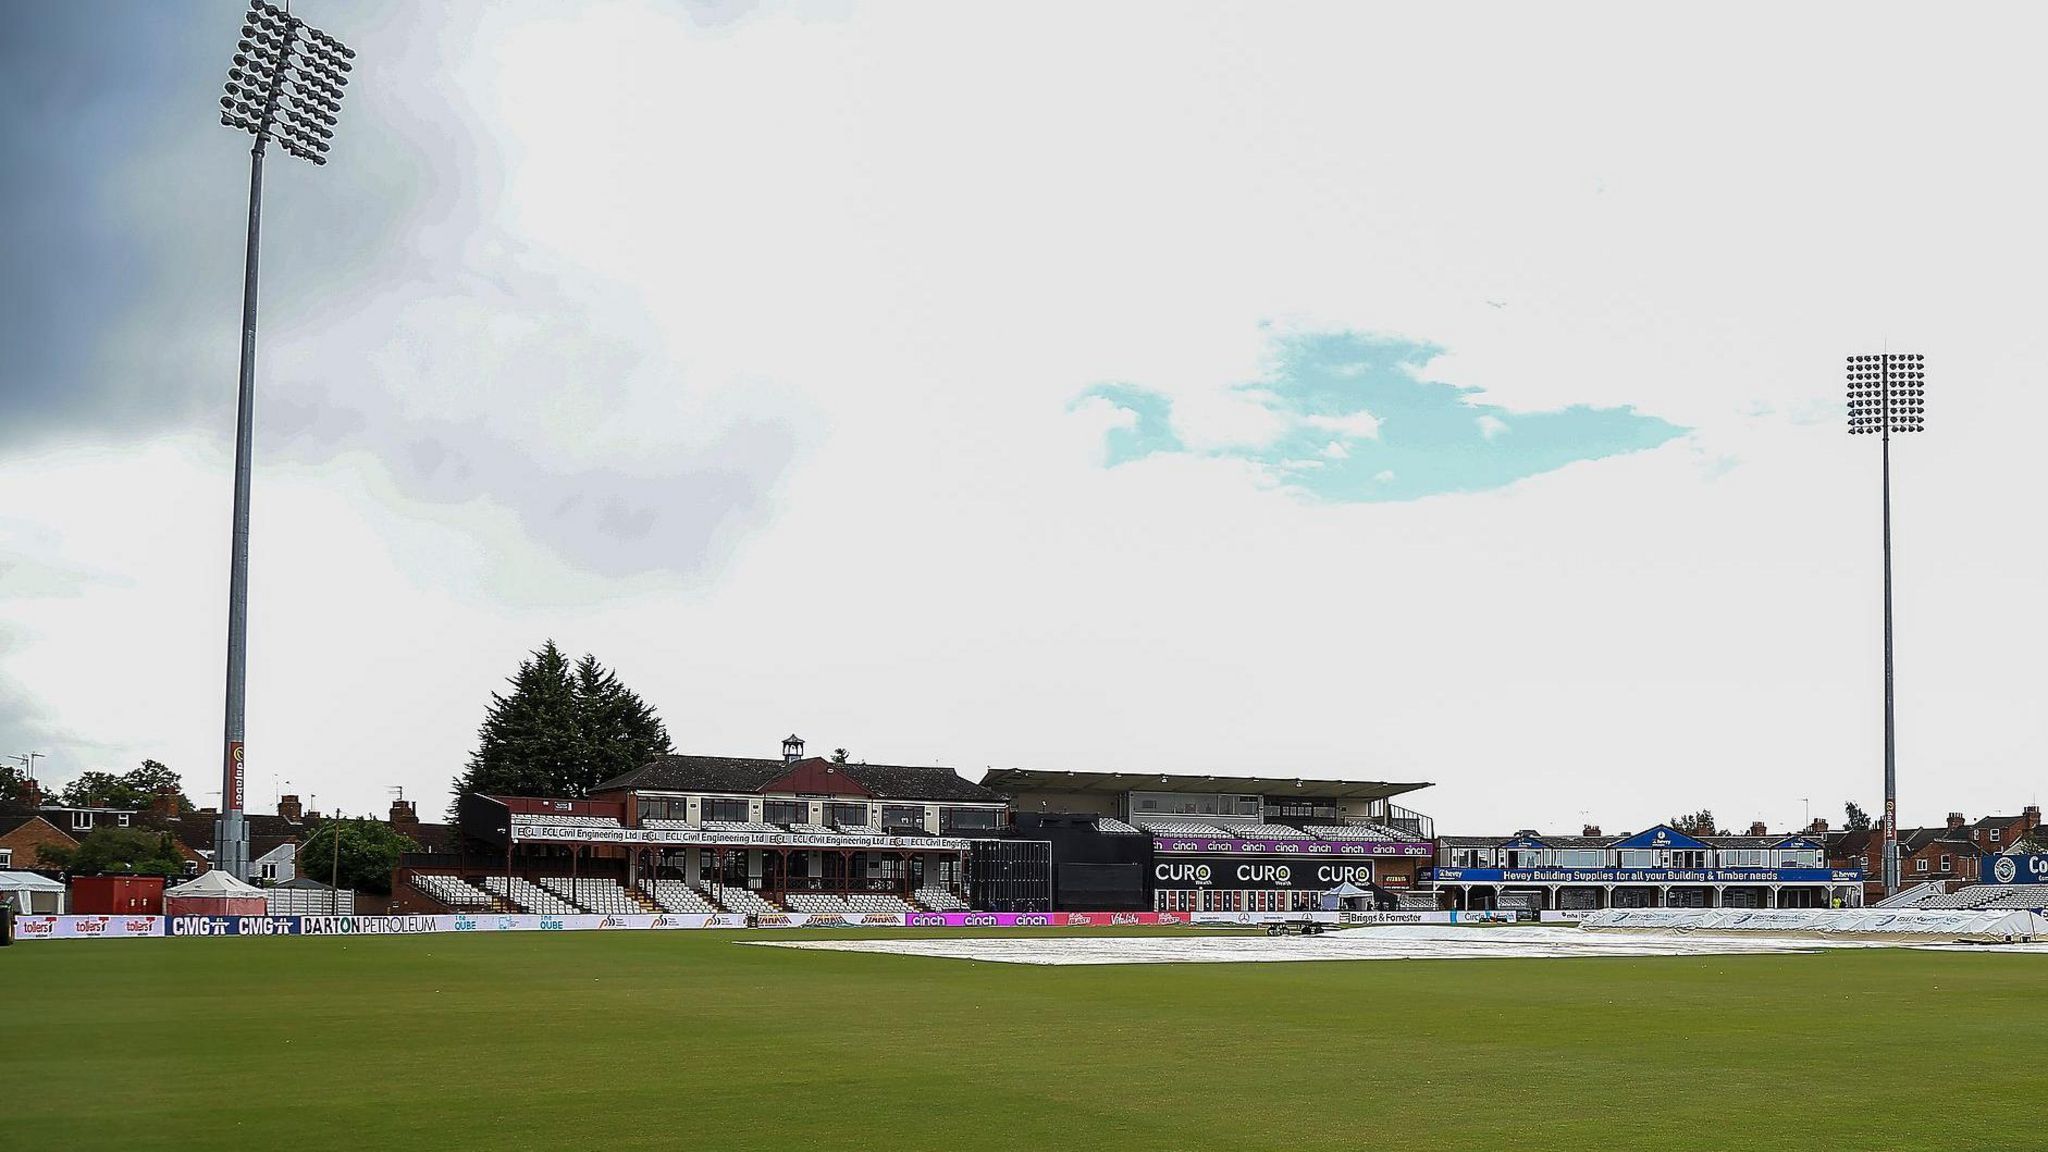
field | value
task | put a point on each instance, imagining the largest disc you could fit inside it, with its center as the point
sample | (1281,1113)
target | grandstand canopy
(814,776)
(1014,780)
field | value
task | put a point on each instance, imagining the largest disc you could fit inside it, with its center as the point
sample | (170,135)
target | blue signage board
(1649,875)
(300,925)
(2015,870)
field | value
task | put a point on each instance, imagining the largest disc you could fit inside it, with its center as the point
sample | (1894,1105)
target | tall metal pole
(231,841)
(285,85)
(1887,394)
(1891,758)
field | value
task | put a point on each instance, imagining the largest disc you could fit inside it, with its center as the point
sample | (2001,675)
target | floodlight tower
(285,85)
(1887,394)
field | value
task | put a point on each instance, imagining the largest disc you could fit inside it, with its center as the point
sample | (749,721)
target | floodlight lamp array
(286,81)
(1887,392)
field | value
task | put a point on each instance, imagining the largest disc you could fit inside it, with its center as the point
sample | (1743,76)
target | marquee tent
(31,894)
(215,894)
(1347,897)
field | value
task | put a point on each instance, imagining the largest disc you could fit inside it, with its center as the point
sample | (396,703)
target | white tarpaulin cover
(1948,925)
(215,883)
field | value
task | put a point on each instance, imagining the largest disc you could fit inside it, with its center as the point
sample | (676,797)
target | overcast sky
(1388,392)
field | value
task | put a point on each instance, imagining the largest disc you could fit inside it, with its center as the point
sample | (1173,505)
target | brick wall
(1962,864)
(27,839)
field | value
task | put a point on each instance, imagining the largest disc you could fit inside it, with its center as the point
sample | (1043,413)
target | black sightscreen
(1009,875)
(1101,887)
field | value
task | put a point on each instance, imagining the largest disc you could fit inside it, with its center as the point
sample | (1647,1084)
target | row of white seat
(565,895)
(453,891)
(940,900)
(851,902)
(1991,897)
(1171,827)
(528,896)
(676,896)
(604,897)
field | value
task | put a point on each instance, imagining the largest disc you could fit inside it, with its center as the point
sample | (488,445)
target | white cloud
(1383,475)
(1335,450)
(1492,426)
(1360,425)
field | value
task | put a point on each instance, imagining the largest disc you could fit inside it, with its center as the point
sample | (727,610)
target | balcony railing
(1407,820)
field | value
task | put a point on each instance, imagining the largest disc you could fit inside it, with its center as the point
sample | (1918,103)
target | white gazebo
(1345,897)
(32,895)
(215,893)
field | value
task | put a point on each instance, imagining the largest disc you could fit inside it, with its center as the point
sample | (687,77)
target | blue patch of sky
(1150,430)
(1360,422)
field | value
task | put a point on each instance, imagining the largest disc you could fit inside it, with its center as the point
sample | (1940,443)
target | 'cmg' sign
(2016,870)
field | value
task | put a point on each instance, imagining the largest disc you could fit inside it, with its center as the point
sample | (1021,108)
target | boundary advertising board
(86,927)
(1282,874)
(2016,870)
(129,927)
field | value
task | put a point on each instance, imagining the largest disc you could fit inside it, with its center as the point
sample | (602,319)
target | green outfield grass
(688,1040)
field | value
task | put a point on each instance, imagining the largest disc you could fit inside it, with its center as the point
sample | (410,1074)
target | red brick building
(1995,834)
(1949,854)
(22,838)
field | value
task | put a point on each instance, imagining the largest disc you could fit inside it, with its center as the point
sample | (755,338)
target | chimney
(164,804)
(404,814)
(33,796)
(2031,817)
(1758,828)
(1955,821)
(792,749)
(288,806)
(1820,824)
(1590,830)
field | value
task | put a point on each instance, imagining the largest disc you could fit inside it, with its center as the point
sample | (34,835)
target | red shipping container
(117,895)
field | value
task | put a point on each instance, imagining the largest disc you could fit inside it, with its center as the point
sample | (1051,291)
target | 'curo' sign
(1290,875)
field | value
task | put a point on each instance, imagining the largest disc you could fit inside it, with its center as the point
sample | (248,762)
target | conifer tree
(560,730)
(620,732)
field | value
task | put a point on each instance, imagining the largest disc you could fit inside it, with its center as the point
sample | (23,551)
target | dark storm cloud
(122,204)
(80,86)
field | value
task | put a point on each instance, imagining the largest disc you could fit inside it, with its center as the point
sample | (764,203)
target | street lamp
(1887,394)
(284,85)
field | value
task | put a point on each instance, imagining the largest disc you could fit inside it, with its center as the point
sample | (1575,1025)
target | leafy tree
(94,790)
(142,851)
(1859,820)
(13,786)
(134,790)
(152,779)
(1700,823)
(839,755)
(561,730)
(369,850)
